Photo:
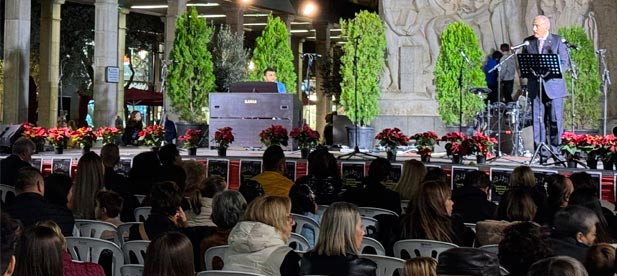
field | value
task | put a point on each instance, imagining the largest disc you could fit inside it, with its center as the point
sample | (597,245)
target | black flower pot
(592,163)
(192,151)
(304,153)
(425,158)
(391,155)
(58,150)
(457,159)
(221,151)
(481,159)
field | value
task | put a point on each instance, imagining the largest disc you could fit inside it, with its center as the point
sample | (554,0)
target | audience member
(172,166)
(518,206)
(523,244)
(588,199)
(88,181)
(574,230)
(558,266)
(201,201)
(435,173)
(471,200)
(420,266)
(323,176)
(21,154)
(374,193)
(600,260)
(9,233)
(195,176)
(258,243)
(134,125)
(272,179)
(166,214)
(110,154)
(29,206)
(39,253)
(107,209)
(250,190)
(467,261)
(57,189)
(144,172)
(431,217)
(169,254)
(559,189)
(303,203)
(583,181)
(523,180)
(411,178)
(338,245)
(227,209)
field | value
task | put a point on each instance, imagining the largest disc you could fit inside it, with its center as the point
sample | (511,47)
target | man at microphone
(554,91)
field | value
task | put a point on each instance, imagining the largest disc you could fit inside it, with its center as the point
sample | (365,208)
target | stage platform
(240,164)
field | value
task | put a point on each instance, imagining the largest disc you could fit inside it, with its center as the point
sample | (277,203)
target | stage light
(309,8)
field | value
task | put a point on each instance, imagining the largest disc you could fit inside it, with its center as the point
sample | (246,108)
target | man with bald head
(548,106)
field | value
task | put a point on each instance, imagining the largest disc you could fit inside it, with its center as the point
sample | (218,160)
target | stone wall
(413,29)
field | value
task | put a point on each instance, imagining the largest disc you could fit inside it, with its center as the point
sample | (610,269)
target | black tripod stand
(499,114)
(356,150)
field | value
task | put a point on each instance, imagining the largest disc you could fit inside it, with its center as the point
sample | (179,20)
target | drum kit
(504,119)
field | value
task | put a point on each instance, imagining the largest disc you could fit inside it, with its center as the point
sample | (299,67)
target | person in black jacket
(29,206)
(470,201)
(110,154)
(323,177)
(340,222)
(574,230)
(21,154)
(172,169)
(375,194)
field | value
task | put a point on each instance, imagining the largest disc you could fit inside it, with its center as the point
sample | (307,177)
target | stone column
(105,54)
(49,62)
(16,61)
(296,49)
(322,47)
(234,17)
(175,8)
(121,52)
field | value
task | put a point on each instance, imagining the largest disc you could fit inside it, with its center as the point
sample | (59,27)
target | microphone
(572,46)
(526,43)
(465,56)
(312,55)
(600,51)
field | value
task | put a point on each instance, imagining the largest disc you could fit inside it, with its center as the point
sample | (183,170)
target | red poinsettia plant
(191,138)
(481,144)
(569,145)
(305,136)
(35,133)
(224,137)
(109,134)
(84,136)
(425,142)
(274,135)
(152,136)
(457,143)
(392,138)
(58,136)
(608,148)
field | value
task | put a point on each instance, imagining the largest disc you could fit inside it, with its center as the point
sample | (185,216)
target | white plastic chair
(420,248)
(5,190)
(90,249)
(140,198)
(142,213)
(372,212)
(404,204)
(493,248)
(137,248)
(226,273)
(132,270)
(370,225)
(95,228)
(373,243)
(300,242)
(321,209)
(471,226)
(503,271)
(304,221)
(124,231)
(386,266)
(212,252)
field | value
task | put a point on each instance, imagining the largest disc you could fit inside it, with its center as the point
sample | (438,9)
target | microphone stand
(499,115)
(61,113)
(606,81)
(574,76)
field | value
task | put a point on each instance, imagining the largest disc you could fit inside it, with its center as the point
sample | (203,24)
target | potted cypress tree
(458,37)
(229,57)
(191,76)
(272,49)
(361,64)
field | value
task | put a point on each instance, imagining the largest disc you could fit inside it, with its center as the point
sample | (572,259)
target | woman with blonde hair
(88,181)
(258,243)
(338,245)
(523,181)
(420,266)
(413,174)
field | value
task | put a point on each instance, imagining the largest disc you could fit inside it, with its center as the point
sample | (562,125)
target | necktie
(541,46)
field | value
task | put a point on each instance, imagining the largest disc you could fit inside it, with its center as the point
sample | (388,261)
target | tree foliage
(272,50)
(230,58)
(191,76)
(364,53)
(331,73)
(77,46)
(587,87)
(458,37)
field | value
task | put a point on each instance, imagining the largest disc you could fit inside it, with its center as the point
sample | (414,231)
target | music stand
(253,87)
(542,67)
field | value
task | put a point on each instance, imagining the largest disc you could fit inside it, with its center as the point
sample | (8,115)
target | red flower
(152,135)
(274,135)
(191,138)
(392,138)
(425,142)
(84,136)
(305,136)
(58,136)
(35,133)
(109,134)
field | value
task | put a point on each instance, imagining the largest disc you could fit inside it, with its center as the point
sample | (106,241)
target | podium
(249,113)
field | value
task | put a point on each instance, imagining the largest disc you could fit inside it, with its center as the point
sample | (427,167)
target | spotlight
(309,8)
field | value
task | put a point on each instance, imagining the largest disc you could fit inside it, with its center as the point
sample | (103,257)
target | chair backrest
(493,248)
(321,209)
(140,198)
(374,244)
(95,228)
(226,273)
(124,229)
(5,190)
(212,252)
(503,271)
(304,221)
(90,249)
(386,266)
(142,213)
(404,204)
(135,248)
(407,249)
(298,242)
(132,270)
(370,226)
(471,226)
(372,212)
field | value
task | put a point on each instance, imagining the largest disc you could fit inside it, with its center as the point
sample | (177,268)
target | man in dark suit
(548,106)
(22,151)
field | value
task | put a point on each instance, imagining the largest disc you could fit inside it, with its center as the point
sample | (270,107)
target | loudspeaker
(339,132)
(9,133)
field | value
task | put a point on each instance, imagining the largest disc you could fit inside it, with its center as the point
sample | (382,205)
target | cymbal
(480,91)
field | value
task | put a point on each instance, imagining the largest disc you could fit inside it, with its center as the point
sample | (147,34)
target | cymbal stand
(499,118)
